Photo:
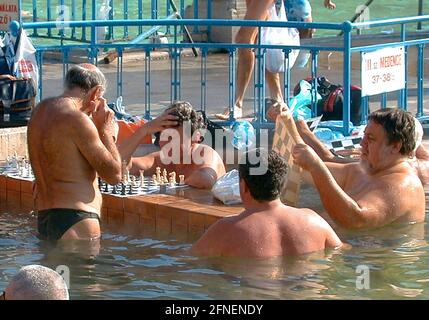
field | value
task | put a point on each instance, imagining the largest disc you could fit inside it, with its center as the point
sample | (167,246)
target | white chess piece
(141,178)
(181,179)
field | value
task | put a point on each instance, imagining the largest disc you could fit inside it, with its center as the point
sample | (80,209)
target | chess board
(347,145)
(135,189)
(285,139)
(15,169)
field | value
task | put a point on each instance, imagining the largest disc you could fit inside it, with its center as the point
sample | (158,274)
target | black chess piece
(99,183)
(106,187)
(114,191)
(123,189)
(130,189)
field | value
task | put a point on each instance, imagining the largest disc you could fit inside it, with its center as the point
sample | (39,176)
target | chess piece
(123,189)
(172,183)
(158,174)
(133,181)
(164,176)
(125,173)
(141,178)
(99,183)
(181,179)
(106,187)
(114,191)
(154,180)
(130,189)
(173,176)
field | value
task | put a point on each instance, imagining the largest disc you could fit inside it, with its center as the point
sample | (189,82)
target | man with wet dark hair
(267,227)
(383,187)
(181,150)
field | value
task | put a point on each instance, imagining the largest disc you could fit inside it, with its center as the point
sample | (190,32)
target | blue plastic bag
(244,135)
(298,104)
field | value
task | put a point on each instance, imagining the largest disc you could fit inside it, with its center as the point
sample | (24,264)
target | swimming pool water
(154,266)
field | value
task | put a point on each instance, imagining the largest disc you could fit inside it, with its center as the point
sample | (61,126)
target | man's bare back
(277,231)
(70,140)
(65,177)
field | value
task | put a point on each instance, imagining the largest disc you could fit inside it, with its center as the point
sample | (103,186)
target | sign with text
(9,10)
(383,71)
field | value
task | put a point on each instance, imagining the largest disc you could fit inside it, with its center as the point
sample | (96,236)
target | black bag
(331,104)
(22,94)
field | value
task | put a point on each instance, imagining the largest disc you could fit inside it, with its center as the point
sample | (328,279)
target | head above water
(186,113)
(84,76)
(399,126)
(37,282)
(269,185)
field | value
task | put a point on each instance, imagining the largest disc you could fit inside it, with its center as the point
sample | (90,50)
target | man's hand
(277,109)
(163,121)
(305,157)
(104,119)
(330,5)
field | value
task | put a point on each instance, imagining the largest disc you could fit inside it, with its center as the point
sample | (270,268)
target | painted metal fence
(90,10)
(342,45)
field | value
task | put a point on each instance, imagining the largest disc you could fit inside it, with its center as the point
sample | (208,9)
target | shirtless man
(180,151)
(267,227)
(71,138)
(382,188)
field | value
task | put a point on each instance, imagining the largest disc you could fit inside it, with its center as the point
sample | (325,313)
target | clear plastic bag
(227,188)
(274,61)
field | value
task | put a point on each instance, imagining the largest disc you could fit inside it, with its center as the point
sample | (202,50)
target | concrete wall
(221,9)
(13,140)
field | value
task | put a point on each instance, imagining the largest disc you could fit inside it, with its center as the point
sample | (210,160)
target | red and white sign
(9,10)
(383,71)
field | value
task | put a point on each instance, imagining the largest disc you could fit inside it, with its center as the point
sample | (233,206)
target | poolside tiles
(178,211)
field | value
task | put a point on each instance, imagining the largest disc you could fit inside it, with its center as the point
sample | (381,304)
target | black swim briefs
(53,223)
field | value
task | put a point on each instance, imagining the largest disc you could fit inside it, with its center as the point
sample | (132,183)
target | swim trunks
(53,223)
(297,10)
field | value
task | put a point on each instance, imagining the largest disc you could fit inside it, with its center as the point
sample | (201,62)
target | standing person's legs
(256,10)
(273,82)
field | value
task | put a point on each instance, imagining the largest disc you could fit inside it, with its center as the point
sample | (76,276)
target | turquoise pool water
(154,266)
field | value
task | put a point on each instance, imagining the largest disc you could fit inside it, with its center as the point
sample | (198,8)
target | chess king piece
(154,180)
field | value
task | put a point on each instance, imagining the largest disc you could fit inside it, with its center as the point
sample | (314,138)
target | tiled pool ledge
(179,211)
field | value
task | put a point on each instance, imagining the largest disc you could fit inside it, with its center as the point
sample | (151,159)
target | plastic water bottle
(244,135)
(6,110)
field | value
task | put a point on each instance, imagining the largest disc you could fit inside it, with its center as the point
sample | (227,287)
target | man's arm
(210,168)
(129,146)
(376,208)
(99,149)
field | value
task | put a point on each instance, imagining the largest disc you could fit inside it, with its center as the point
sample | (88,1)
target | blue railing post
(49,15)
(61,13)
(314,66)
(346,76)
(209,16)
(83,18)
(110,34)
(286,76)
(119,73)
(402,100)
(231,81)
(73,18)
(420,79)
(35,34)
(93,57)
(204,79)
(140,14)
(125,18)
(147,90)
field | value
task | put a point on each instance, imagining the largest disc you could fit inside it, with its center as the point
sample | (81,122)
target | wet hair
(84,76)
(268,186)
(37,282)
(185,112)
(399,126)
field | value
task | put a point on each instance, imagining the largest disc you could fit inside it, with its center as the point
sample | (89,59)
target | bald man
(36,282)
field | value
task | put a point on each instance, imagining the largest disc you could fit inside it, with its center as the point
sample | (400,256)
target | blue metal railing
(88,10)
(345,47)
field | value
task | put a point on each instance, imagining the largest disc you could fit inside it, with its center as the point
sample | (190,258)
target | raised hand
(305,157)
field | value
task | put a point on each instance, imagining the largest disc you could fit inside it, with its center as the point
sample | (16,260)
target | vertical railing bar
(420,80)
(314,66)
(346,77)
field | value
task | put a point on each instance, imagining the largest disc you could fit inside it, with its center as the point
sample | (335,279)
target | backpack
(331,104)
(21,92)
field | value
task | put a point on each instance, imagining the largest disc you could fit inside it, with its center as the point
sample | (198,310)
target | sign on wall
(9,10)
(383,71)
